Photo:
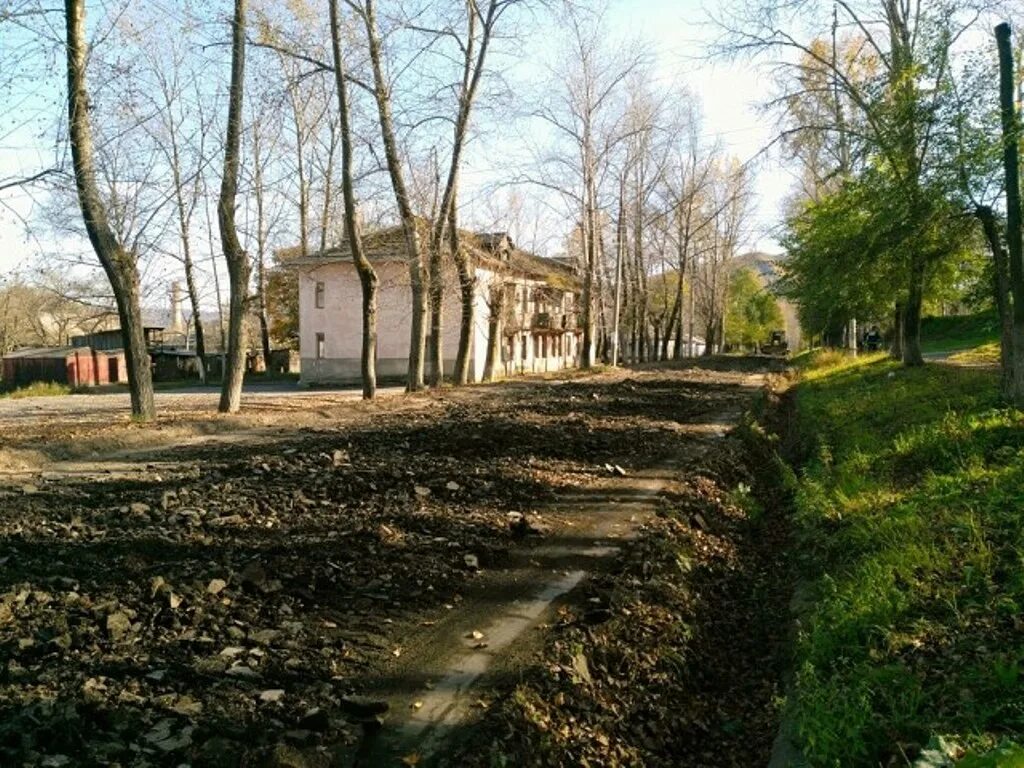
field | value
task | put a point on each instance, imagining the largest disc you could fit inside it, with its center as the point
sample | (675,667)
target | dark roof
(44,352)
(495,249)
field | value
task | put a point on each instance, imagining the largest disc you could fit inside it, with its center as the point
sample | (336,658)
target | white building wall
(340,321)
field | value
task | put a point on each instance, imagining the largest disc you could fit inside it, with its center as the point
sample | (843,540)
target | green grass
(949,334)
(908,518)
(38,389)
(986,354)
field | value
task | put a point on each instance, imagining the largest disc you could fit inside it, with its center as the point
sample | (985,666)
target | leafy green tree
(752,312)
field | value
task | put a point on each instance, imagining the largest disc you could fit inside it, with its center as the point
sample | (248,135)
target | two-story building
(536,319)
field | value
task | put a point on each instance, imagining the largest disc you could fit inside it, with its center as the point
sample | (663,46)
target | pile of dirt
(220,608)
(676,658)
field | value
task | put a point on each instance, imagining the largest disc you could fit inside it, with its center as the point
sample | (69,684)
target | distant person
(873,339)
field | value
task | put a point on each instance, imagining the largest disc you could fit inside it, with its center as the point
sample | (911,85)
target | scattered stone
(340,458)
(118,625)
(451,485)
(421,491)
(139,508)
(272,695)
(242,672)
(216,586)
(472,562)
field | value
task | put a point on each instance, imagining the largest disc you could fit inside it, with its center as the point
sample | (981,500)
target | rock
(55,761)
(284,756)
(163,738)
(29,489)
(938,754)
(472,562)
(315,720)
(340,458)
(254,574)
(186,705)
(265,636)
(167,499)
(118,625)
(216,586)
(451,485)
(139,508)
(226,521)
(581,669)
(421,491)
(272,695)
(697,521)
(242,672)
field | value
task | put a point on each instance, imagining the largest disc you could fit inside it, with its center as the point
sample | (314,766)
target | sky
(680,33)
(677,33)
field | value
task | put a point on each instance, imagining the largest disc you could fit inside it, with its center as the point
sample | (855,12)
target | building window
(320,296)
(526,301)
(320,345)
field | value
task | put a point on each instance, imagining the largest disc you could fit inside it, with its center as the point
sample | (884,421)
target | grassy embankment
(908,519)
(961,333)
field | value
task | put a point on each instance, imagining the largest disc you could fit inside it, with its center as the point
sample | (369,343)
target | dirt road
(223,597)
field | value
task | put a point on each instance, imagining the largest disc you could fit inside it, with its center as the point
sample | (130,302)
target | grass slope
(908,519)
(948,334)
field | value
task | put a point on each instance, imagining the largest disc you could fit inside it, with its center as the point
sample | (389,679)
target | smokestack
(177,302)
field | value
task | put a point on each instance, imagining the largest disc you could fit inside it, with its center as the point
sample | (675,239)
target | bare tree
(588,117)
(366,11)
(236,258)
(119,264)
(367,275)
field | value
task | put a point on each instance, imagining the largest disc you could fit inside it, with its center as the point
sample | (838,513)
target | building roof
(492,249)
(43,352)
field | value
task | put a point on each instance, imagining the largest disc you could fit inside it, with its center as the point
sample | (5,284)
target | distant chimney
(177,302)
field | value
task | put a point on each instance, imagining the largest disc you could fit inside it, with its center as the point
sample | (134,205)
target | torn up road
(259,602)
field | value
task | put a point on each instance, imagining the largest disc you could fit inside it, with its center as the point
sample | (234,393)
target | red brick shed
(74,366)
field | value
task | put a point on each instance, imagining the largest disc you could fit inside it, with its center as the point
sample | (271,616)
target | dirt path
(220,601)
(437,687)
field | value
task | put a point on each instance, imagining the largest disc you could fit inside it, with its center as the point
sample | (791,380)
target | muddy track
(220,603)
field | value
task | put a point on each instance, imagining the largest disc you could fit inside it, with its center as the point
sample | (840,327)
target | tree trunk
(897,333)
(467,293)
(672,325)
(261,246)
(367,275)
(912,314)
(494,331)
(184,226)
(1014,245)
(234,255)
(120,266)
(1001,294)
(435,350)
(382,98)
